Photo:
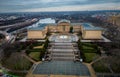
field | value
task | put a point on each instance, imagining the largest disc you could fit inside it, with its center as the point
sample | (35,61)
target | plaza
(63,38)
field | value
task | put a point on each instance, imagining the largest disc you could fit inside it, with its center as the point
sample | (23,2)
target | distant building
(39,30)
(114,20)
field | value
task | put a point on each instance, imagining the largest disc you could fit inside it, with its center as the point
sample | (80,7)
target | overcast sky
(57,5)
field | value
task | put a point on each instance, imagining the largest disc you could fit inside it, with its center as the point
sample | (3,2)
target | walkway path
(91,70)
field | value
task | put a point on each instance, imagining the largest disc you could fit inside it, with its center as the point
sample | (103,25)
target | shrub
(100,67)
(17,62)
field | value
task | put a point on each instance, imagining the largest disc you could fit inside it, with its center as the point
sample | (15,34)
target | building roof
(46,20)
(52,24)
(38,27)
(88,26)
(64,20)
(42,23)
(74,24)
(94,28)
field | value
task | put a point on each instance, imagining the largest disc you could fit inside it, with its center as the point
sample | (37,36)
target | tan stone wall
(63,24)
(35,34)
(82,29)
(118,22)
(77,28)
(67,28)
(52,28)
(58,28)
(92,34)
(114,20)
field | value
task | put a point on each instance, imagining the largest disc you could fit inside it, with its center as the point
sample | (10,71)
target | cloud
(57,5)
(109,6)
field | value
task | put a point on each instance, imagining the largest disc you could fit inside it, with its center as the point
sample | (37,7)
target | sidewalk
(91,70)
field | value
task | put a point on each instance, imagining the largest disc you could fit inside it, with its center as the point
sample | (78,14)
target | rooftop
(88,26)
(64,20)
(46,20)
(38,27)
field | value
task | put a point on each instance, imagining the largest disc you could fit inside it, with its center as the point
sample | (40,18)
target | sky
(57,5)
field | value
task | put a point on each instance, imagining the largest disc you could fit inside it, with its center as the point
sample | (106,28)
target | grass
(39,47)
(89,57)
(35,55)
(1,70)
(89,51)
(87,47)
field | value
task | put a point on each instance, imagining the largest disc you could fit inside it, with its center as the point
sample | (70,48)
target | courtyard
(63,38)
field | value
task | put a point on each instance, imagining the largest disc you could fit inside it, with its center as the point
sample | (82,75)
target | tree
(16,62)
(71,30)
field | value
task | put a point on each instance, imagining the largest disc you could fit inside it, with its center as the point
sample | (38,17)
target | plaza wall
(92,34)
(36,34)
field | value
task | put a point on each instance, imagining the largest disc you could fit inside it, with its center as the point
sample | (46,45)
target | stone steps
(63,51)
(62,55)
(62,58)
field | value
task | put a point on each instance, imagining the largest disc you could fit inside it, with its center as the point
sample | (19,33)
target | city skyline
(57,5)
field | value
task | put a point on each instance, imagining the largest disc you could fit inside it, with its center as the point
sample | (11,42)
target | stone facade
(64,27)
(92,34)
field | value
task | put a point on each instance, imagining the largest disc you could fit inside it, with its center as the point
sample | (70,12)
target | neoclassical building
(88,31)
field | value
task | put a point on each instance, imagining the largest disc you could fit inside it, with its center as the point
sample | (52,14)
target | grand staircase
(63,51)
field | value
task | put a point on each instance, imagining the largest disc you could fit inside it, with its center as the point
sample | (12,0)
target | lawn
(90,56)
(87,47)
(39,47)
(89,51)
(35,55)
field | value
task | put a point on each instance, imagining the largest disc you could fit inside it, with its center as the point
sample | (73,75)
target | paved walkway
(91,70)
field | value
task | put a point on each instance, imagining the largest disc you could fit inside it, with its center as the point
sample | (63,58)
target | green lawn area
(35,55)
(1,70)
(90,56)
(87,47)
(89,51)
(38,47)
